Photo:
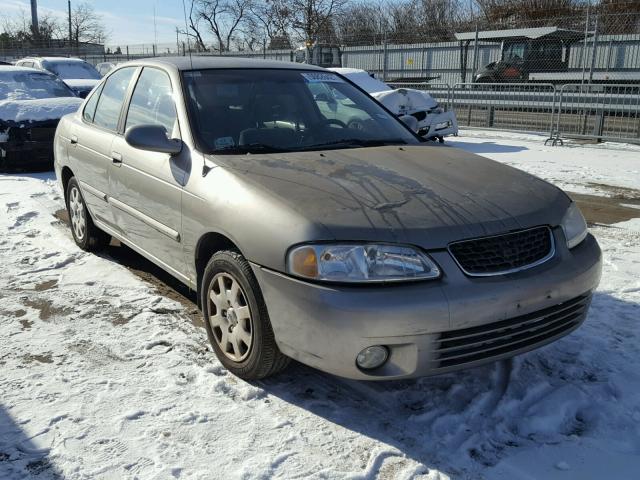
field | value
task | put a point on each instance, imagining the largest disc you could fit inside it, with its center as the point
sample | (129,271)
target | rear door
(91,139)
(146,187)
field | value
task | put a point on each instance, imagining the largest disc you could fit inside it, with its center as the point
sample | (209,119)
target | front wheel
(236,318)
(86,235)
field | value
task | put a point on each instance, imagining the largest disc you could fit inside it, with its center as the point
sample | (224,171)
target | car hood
(421,195)
(81,83)
(13,112)
(405,100)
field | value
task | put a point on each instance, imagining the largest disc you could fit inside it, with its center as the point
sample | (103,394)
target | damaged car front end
(31,105)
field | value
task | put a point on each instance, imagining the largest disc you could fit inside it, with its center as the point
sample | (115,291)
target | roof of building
(524,33)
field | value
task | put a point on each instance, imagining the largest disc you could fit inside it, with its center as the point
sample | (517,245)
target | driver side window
(152,102)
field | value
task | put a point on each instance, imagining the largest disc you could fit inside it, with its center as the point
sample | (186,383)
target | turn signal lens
(304,262)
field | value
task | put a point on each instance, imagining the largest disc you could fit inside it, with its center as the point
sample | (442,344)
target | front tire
(236,318)
(86,235)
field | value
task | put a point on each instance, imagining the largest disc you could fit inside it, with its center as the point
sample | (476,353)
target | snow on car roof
(57,59)
(363,79)
(13,69)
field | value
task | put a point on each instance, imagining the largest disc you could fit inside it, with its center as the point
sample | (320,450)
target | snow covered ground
(103,377)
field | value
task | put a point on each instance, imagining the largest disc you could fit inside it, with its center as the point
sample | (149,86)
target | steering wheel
(335,121)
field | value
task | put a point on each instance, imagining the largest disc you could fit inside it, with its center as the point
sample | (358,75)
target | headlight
(360,263)
(574,226)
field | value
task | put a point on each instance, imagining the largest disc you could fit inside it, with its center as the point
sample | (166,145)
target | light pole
(70,31)
(34,17)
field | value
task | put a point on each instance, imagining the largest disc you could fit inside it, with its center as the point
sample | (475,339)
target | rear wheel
(236,318)
(86,235)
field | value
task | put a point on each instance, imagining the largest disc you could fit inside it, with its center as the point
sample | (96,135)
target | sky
(128,22)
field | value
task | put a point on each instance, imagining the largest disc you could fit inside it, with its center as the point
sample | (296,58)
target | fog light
(372,357)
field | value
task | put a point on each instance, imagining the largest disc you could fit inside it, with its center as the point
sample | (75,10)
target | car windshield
(261,110)
(73,70)
(25,85)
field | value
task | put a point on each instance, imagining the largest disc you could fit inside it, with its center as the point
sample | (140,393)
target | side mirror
(152,138)
(410,121)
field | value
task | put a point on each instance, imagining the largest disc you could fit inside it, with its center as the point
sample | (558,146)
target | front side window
(90,107)
(247,110)
(110,103)
(152,101)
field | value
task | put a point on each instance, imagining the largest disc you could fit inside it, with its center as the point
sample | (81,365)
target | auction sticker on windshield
(321,77)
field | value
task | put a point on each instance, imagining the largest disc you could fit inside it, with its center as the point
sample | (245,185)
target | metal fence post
(385,57)
(594,51)
(475,56)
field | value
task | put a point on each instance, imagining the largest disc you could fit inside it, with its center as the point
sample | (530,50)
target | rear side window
(152,101)
(90,107)
(109,105)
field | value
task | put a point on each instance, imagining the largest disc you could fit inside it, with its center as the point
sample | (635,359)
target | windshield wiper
(251,148)
(356,142)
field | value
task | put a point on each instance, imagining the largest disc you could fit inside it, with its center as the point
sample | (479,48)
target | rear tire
(236,318)
(86,235)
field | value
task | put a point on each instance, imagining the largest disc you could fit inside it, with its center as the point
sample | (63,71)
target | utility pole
(70,30)
(34,18)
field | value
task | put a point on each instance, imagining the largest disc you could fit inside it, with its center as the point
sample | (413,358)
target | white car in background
(433,121)
(79,75)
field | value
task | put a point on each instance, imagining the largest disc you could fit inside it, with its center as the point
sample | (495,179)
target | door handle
(116,158)
(73,140)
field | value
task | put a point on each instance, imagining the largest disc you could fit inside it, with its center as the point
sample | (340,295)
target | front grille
(506,253)
(484,342)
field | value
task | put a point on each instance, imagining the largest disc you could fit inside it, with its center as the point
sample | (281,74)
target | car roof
(197,62)
(13,68)
(54,59)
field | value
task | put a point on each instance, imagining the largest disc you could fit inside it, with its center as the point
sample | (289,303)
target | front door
(146,187)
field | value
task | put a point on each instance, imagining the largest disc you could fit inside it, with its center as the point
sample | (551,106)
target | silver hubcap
(230,317)
(76,212)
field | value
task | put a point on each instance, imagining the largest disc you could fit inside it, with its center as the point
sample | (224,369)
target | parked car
(31,104)
(105,67)
(433,121)
(79,75)
(363,252)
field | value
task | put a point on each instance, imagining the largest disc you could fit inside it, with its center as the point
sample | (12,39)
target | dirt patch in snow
(622,193)
(611,209)
(46,308)
(48,285)
(164,284)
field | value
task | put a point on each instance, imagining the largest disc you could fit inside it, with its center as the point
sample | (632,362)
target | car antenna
(186,31)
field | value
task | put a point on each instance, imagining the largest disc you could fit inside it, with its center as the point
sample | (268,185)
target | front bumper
(28,154)
(28,145)
(422,324)
(438,125)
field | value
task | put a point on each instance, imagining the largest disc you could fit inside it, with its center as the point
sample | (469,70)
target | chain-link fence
(575,75)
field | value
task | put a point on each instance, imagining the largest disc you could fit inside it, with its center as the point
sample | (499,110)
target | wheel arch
(209,244)
(65,175)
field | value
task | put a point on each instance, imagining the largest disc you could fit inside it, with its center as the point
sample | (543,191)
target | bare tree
(361,24)
(313,19)
(86,24)
(273,18)
(223,18)
(193,27)
(19,28)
